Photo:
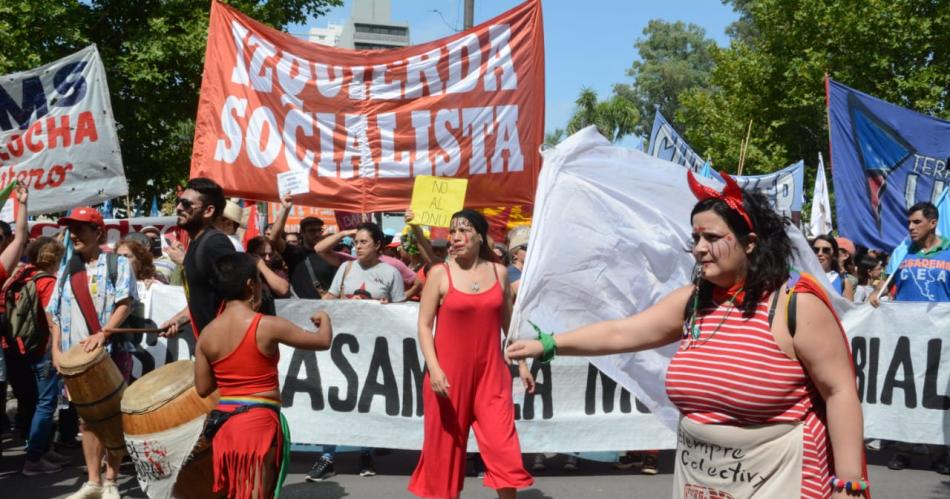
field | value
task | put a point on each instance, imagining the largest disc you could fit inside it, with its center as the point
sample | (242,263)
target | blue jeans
(47,388)
(329,451)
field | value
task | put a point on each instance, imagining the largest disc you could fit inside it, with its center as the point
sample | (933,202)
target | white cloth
(158,457)
(820,221)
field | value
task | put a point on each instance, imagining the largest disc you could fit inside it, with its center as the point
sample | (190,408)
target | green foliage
(554,138)
(153,53)
(772,73)
(614,118)
(674,57)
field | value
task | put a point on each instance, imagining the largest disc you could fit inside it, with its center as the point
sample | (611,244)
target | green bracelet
(547,342)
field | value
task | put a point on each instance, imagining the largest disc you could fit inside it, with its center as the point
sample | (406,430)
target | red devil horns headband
(731,195)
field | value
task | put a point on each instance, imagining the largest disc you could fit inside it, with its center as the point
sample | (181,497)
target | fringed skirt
(242,443)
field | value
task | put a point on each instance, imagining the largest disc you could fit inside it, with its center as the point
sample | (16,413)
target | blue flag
(154,211)
(943,229)
(884,159)
(106,209)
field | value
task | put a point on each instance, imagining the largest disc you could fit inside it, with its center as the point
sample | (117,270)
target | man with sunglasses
(198,207)
(310,272)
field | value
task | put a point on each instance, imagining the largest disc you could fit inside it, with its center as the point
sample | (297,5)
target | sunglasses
(818,251)
(185,203)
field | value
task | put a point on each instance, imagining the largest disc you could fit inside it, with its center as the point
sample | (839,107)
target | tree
(674,57)
(772,73)
(554,138)
(153,54)
(614,118)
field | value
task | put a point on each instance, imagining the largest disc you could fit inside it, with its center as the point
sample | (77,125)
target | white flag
(820,221)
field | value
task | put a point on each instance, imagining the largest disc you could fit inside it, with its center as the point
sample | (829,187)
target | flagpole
(744,148)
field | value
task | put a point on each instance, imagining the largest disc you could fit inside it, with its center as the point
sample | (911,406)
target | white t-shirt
(380,281)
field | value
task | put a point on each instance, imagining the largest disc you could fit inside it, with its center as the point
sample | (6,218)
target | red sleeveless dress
(468,345)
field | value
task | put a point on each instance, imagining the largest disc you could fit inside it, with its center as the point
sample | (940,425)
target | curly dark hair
(770,258)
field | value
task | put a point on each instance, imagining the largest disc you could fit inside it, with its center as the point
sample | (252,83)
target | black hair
(255,243)
(928,210)
(6,229)
(310,221)
(374,232)
(480,224)
(866,264)
(210,192)
(834,249)
(771,255)
(230,273)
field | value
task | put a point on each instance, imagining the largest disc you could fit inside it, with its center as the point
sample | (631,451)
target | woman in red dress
(763,376)
(468,384)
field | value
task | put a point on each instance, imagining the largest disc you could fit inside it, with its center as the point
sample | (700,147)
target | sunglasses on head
(826,250)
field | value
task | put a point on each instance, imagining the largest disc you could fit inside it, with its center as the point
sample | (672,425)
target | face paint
(722,248)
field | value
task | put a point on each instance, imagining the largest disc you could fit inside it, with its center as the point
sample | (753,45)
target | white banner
(57,134)
(116,228)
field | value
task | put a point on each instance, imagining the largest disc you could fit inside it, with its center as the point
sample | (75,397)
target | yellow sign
(435,199)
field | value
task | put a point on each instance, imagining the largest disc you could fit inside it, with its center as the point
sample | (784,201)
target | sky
(587,43)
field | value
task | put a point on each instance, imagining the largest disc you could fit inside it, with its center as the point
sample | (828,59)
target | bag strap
(112,266)
(772,306)
(346,271)
(790,310)
(311,272)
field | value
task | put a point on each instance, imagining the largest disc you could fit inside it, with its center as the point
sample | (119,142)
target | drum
(95,387)
(163,415)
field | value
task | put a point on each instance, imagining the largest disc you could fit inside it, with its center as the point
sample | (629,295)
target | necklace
(474,286)
(692,330)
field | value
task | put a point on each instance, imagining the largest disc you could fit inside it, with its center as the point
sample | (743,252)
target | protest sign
(292,182)
(346,220)
(57,134)
(435,199)
(364,124)
(884,159)
(116,229)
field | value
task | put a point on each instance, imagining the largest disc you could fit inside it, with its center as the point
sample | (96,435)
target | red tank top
(246,371)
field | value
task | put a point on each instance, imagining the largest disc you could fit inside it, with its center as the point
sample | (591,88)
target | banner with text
(364,123)
(116,228)
(57,134)
(785,188)
(884,159)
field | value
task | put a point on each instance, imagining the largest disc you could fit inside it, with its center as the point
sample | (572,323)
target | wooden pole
(744,147)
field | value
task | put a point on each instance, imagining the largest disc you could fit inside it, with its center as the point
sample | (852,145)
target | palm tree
(614,118)
(554,138)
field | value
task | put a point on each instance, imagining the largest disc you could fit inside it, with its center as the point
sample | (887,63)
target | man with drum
(92,296)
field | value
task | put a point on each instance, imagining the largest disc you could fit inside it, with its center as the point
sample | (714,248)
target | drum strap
(78,283)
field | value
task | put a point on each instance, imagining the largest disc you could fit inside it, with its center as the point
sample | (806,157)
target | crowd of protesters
(358,264)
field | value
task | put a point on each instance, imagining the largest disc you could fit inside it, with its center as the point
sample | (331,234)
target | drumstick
(124,330)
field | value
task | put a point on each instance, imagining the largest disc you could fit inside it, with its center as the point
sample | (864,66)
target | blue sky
(587,43)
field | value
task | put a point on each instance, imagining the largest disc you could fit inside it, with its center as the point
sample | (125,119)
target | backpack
(23,305)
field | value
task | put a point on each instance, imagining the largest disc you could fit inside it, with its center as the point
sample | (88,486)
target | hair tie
(731,195)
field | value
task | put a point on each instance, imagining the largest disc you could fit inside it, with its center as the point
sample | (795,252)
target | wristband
(547,342)
(859,485)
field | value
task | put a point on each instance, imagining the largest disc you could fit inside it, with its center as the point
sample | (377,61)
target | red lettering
(35,128)
(60,172)
(86,128)
(56,133)
(15,146)
(37,175)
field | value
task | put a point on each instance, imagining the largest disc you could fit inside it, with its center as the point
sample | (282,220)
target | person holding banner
(311,272)
(467,382)
(763,375)
(237,354)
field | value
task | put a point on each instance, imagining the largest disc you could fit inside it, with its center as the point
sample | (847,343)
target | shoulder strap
(112,265)
(772,305)
(310,271)
(790,310)
(346,271)
(495,270)
(448,272)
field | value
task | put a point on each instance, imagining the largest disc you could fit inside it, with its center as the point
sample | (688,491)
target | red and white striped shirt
(735,373)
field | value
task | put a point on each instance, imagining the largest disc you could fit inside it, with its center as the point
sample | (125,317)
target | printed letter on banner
(57,134)
(364,124)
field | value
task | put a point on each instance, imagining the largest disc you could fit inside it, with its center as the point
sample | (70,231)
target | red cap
(84,214)
(845,243)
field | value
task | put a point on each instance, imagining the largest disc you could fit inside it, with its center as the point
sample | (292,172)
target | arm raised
(290,334)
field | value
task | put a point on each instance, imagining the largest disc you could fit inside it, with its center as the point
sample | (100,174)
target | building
(329,36)
(370,26)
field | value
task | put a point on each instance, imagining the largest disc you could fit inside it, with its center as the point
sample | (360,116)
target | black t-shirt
(203,302)
(295,257)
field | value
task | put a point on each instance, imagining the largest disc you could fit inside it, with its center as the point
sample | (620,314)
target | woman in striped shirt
(763,375)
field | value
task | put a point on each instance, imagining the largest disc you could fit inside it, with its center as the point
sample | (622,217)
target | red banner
(364,123)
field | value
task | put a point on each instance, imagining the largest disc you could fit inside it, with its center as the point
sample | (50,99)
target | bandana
(731,195)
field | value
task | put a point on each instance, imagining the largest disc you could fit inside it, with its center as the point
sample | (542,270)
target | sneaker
(649,465)
(110,490)
(321,470)
(899,462)
(57,458)
(538,464)
(40,467)
(88,490)
(629,460)
(571,463)
(366,465)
